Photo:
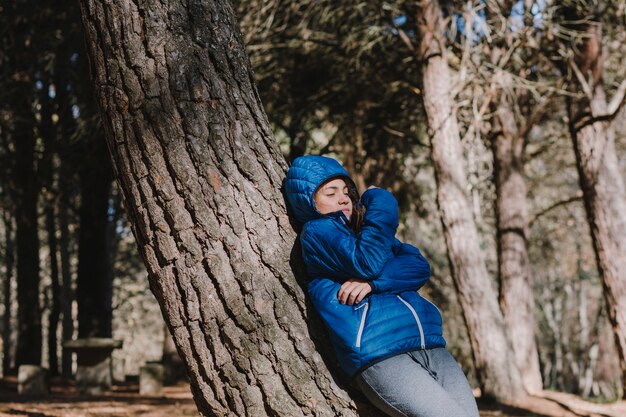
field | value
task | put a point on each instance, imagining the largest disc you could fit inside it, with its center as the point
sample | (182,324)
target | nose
(344,199)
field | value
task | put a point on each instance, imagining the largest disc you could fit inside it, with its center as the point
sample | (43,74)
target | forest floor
(177,401)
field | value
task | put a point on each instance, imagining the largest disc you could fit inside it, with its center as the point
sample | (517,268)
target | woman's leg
(450,377)
(402,387)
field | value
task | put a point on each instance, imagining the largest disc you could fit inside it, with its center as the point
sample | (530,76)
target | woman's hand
(353,291)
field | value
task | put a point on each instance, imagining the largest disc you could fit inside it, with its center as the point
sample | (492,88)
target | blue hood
(305,176)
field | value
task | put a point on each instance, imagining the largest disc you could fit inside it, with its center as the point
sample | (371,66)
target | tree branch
(552,207)
(613,109)
(535,118)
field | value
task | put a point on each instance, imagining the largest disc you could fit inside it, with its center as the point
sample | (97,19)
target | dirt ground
(121,401)
(124,401)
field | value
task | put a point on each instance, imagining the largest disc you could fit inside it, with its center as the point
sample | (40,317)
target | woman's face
(332,197)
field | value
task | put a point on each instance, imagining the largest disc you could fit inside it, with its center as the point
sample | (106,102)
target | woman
(364,282)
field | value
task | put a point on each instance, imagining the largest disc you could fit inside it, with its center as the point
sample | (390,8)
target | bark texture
(201,175)
(603,189)
(493,357)
(516,289)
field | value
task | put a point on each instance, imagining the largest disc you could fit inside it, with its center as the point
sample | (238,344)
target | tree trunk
(493,358)
(20,41)
(95,277)
(66,274)
(27,240)
(516,284)
(67,163)
(48,134)
(173,364)
(9,261)
(55,307)
(201,176)
(602,183)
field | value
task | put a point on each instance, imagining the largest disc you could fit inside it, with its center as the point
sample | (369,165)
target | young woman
(364,282)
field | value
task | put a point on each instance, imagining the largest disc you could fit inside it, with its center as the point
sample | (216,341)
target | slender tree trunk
(602,184)
(55,307)
(201,176)
(516,289)
(9,259)
(66,274)
(94,277)
(20,41)
(27,240)
(48,133)
(493,357)
(67,127)
(174,365)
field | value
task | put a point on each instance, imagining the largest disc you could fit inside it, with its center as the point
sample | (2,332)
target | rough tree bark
(493,357)
(604,195)
(201,175)
(516,289)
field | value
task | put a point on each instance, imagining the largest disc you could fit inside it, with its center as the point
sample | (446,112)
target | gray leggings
(421,383)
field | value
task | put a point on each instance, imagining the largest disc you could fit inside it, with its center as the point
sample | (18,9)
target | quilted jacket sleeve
(329,249)
(408,270)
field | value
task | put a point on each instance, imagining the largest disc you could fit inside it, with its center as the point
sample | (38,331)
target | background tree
(590,121)
(502,36)
(26,189)
(497,371)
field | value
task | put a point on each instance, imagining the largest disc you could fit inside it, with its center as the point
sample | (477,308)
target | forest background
(349,80)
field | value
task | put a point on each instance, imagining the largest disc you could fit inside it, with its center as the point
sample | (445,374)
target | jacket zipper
(362,324)
(417,320)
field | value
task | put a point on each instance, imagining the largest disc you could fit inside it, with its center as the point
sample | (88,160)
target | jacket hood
(305,176)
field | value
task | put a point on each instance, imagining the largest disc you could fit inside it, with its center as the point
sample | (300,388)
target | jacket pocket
(359,334)
(417,320)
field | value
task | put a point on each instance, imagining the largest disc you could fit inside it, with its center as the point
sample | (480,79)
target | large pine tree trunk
(201,176)
(94,278)
(493,358)
(516,289)
(601,182)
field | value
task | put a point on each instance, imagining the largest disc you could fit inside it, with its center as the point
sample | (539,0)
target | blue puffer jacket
(394,318)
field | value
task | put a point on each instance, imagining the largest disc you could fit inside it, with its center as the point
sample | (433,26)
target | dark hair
(358,211)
